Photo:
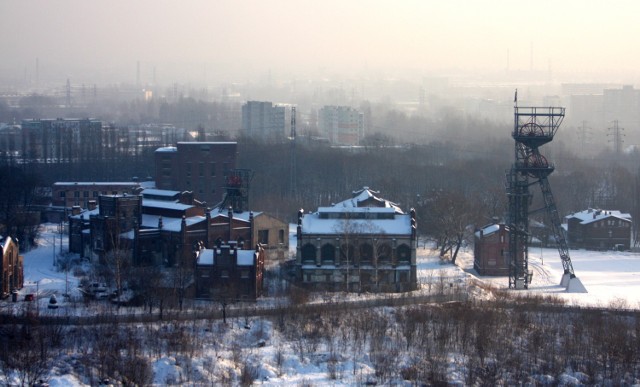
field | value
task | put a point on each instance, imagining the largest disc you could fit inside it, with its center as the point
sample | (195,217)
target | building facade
(491,250)
(596,229)
(70,194)
(59,140)
(342,125)
(365,243)
(264,121)
(198,167)
(168,232)
(228,273)
(11,267)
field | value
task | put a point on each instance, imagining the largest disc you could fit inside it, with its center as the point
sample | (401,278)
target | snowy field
(611,278)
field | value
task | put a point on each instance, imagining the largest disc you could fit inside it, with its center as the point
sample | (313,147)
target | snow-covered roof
(376,210)
(165,204)
(245,257)
(593,215)
(160,192)
(98,183)
(488,229)
(86,214)
(372,215)
(208,142)
(149,184)
(169,224)
(205,257)
(167,149)
(244,215)
(399,225)
(365,194)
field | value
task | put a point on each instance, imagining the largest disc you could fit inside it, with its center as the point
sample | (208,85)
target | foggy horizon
(223,42)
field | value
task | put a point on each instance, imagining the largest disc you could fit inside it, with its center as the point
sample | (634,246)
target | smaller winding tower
(237,190)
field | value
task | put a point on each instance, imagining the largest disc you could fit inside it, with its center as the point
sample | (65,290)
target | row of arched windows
(349,254)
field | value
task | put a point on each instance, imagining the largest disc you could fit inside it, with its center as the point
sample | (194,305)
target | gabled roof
(366,198)
(488,230)
(244,215)
(593,215)
(243,257)
(168,224)
(372,215)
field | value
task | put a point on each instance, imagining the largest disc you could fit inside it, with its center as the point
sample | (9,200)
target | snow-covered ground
(611,278)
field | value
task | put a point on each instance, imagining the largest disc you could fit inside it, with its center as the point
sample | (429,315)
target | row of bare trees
(505,341)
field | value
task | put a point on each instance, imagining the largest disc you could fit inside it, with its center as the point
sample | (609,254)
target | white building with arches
(365,243)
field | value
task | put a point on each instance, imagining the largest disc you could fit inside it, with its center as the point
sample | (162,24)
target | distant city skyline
(227,41)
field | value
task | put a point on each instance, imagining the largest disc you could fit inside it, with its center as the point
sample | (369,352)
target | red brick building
(491,250)
(229,273)
(199,167)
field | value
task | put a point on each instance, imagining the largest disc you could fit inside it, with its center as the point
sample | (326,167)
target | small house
(491,250)
(596,229)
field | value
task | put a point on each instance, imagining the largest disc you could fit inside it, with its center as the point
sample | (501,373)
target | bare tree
(449,217)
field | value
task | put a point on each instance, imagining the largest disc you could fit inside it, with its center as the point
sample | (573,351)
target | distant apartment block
(263,121)
(342,125)
(56,140)
(198,167)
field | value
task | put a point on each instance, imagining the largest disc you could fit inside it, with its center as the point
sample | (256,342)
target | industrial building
(198,167)
(364,243)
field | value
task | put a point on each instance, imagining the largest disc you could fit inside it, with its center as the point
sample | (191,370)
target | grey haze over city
(208,43)
(314,193)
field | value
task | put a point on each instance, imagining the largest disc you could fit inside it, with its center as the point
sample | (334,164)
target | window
(366,253)
(212,167)
(308,253)
(280,236)
(95,194)
(244,274)
(328,254)
(63,194)
(224,274)
(263,237)
(85,194)
(201,169)
(76,194)
(188,168)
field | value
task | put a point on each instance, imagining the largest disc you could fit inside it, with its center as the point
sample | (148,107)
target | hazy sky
(218,38)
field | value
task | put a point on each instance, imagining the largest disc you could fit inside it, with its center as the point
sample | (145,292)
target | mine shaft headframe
(536,126)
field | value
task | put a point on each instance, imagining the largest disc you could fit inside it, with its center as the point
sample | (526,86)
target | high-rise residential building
(342,125)
(263,121)
(199,167)
(57,140)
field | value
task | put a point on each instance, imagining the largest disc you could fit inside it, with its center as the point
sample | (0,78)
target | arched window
(384,254)
(366,254)
(328,254)
(404,255)
(308,253)
(347,254)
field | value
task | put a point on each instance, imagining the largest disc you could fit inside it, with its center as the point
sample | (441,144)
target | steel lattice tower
(533,127)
